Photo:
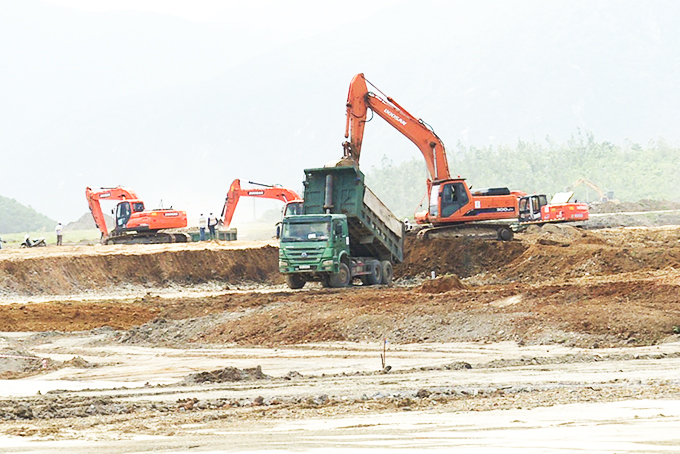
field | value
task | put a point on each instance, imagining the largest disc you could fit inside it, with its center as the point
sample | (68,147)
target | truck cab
(316,246)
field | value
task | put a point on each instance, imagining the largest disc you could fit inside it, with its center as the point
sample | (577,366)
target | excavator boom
(359,100)
(266,192)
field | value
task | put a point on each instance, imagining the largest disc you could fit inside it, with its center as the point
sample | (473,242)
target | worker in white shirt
(58,230)
(202,225)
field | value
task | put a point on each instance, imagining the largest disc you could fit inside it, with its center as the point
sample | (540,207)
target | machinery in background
(135,224)
(293,202)
(535,209)
(603,198)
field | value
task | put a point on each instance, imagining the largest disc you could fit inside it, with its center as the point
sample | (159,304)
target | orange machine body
(292,200)
(130,213)
(535,209)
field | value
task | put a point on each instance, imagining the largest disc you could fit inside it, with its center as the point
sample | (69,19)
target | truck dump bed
(373,230)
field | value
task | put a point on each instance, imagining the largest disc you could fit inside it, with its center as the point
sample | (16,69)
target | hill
(15,217)
(86,222)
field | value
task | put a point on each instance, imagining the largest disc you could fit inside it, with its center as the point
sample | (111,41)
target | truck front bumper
(297,267)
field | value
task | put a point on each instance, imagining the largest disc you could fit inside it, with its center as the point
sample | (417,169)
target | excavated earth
(556,297)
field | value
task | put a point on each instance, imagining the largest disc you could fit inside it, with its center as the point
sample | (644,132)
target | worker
(212,226)
(202,225)
(58,230)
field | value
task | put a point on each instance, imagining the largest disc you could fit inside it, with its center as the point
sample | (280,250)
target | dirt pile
(228,374)
(463,257)
(442,284)
(563,253)
(78,363)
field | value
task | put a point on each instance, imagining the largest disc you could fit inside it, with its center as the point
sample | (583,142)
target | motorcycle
(38,242)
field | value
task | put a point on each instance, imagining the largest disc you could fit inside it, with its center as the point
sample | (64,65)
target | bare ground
(555,287)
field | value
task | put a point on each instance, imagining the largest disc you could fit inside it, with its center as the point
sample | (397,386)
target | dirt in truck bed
(553,299)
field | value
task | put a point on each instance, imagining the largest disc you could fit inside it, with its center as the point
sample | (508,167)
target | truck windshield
(312,231)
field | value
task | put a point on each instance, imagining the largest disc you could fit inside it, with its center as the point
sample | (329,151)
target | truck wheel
(374,277)
(295,281)
(387,272)
(505,234)
(341,278)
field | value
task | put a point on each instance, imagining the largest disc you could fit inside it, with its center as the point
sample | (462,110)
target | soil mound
(442,284)
(78,363)
(228,374)
(463,257)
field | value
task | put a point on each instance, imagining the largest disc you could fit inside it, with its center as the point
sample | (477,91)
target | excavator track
(149,238)
(501,232)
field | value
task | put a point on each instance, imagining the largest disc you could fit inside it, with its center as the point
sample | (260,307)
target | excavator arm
(359,100)
(267,192)
(93,201)
(590,184)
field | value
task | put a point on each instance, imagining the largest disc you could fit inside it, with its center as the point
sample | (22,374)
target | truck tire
(387,272)
(374,277)
(505,234)
(340,279)
(295,281)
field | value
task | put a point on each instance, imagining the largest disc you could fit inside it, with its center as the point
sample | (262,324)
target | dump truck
(345,232)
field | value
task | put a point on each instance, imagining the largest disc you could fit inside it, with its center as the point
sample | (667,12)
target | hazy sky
(177,98)
(297,18)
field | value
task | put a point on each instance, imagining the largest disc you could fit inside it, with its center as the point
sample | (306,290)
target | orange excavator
(134,224)
(289,197)
(453,206)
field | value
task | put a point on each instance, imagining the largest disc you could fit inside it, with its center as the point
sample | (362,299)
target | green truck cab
(343,233)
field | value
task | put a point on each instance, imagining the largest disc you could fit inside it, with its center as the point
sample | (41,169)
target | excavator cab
(447,198)
(124,211)
(530,207)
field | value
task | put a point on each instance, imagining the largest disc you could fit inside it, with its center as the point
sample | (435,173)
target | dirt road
(562,340)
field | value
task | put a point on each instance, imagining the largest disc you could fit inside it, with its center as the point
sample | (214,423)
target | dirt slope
(64,271)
